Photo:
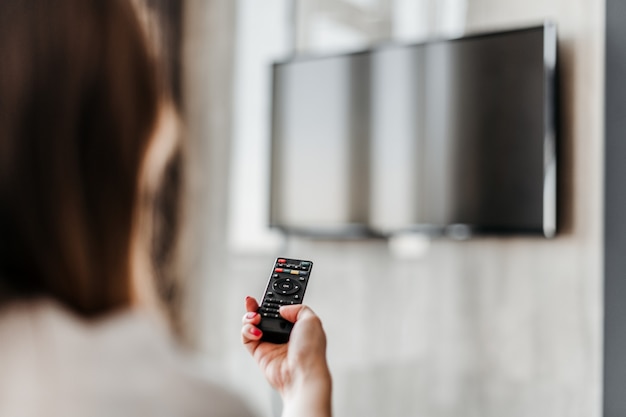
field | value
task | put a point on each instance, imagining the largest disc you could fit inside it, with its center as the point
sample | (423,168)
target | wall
(487,327)
(615,205)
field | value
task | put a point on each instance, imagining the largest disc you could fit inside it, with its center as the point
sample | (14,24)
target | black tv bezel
(549,227)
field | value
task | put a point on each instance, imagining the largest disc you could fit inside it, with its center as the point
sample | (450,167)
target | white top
(55,364)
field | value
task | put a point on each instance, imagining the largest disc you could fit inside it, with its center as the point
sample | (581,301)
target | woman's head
(79,103)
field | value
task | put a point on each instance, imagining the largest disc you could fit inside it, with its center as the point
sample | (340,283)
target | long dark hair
(79,99)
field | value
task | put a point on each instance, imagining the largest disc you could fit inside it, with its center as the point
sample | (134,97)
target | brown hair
(79,99)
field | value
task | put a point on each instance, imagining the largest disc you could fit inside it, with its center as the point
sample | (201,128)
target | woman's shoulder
(55,363)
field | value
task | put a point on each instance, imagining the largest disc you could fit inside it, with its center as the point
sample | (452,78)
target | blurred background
(491,326)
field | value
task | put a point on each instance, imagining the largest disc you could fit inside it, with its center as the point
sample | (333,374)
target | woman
(85,139)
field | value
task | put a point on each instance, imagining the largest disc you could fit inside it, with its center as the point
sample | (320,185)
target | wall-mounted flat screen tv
(449,137)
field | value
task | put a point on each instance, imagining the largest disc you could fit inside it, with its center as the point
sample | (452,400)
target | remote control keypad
(286,286)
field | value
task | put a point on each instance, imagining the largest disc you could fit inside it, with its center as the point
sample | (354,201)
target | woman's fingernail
(248,297)
(251,315)
(254,331)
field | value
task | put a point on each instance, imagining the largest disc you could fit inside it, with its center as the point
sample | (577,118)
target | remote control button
(305,264)
(281,261)
(278,270)
(285,286)
(294,272)
(276,316)
(270,294)
(275,275)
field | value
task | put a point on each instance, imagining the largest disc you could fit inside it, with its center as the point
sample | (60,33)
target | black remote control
(286,286)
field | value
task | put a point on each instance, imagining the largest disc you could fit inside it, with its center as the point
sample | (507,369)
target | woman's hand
(298,369)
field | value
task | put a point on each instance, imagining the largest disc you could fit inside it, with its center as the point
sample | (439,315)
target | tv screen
(446,137)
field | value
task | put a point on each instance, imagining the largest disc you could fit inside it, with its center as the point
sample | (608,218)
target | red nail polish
(254,331)
(248,297)
(251,314)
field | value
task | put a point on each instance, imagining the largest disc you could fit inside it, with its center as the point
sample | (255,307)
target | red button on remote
(278,270)
(281,261)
